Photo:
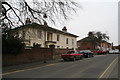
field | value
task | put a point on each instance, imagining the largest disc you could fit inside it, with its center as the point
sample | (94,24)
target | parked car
(117,51)
(111,51)
(99,52)
(87,53)
(114,51)
(71,55)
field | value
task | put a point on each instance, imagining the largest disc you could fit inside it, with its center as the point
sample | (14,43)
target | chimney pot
(27,21)
(90,34)
(64,29)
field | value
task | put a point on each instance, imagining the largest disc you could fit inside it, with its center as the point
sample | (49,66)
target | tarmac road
(100,66)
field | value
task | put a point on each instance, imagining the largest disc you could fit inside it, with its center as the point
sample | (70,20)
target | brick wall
(89,45)
(28,55)
(85,45)
(32,55)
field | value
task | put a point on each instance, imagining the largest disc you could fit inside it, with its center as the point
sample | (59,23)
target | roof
(46,28)
(88,39)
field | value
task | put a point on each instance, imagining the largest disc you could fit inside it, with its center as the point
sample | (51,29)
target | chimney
(45,23)
(64,29)
(27,21)
(90,34)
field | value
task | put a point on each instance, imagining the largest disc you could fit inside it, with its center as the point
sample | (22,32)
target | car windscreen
(70,52)
(81,52)
(84,51)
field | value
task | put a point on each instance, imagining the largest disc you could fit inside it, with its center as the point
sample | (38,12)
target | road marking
(99,55)
(26,69)
(107,69)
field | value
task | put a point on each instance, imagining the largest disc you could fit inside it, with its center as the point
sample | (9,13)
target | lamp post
(45,23)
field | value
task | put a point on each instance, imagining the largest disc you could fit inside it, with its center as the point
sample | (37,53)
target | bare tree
(96,38)
(101,36)
(15,12)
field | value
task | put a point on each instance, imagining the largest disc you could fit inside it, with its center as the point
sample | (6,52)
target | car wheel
(80,57)
(88,56)
(65,59)
(92,55)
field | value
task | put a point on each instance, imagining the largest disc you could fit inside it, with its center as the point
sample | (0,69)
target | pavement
(28,65)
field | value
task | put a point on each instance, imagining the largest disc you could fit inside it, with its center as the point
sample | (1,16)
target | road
(101,66)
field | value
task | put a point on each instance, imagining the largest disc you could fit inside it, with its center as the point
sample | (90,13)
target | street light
(45,23)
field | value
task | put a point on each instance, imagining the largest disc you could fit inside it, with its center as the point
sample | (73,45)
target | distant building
(43,36)
(116,47)
(90,43)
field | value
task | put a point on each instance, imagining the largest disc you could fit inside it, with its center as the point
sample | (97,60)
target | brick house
(43,36)
(88,43)
(106,45)
(116,47)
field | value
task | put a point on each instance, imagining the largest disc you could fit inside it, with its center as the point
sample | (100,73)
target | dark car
(87,53)
(71,55)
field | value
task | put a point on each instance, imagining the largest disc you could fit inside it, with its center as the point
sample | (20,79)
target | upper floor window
(58,37)
(49,36)
(72,41)
(39,34)
(66,40)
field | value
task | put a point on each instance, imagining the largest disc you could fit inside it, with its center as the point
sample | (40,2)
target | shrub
(11,44)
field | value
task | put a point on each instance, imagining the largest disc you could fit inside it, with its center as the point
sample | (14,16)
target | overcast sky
(95,15)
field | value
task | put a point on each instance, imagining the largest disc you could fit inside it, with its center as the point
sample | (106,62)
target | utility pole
(45,24)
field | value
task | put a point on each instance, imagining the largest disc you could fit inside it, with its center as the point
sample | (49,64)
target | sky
(95,15)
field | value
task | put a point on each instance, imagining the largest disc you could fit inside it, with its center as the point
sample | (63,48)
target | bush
(11,45)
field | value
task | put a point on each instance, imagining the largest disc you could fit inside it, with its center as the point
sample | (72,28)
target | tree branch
(10,7)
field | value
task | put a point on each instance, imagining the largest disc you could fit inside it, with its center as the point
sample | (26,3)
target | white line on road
(107,69)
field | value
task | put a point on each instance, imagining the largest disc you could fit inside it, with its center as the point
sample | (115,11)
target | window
(58,46)
(58,37)
(49,36)
(70,52)
(66,40)
(39,34)
(72,41)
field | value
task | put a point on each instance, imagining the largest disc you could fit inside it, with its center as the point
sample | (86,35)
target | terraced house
(43,36)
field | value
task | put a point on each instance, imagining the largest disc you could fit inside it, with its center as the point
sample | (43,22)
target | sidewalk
(28,65)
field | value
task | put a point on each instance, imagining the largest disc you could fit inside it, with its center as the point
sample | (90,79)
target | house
(90,43)
(42,35)
(116,47)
